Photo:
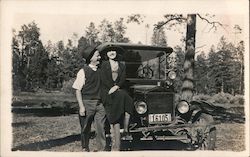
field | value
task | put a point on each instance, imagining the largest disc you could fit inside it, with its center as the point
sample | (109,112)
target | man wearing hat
(87,85)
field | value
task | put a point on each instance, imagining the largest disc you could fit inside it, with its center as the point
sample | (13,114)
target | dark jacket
(119,102)
(106,78)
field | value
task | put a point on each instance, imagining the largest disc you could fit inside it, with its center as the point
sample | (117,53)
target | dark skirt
(117,104)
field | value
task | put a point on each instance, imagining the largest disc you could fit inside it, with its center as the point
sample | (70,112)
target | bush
(202,97)
(67,86)
(238,100)
(222,98)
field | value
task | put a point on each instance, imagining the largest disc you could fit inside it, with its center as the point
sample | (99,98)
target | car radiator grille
(161,102)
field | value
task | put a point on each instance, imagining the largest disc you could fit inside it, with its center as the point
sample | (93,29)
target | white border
(12,7)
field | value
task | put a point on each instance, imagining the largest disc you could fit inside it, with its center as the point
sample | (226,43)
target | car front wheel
(206,135)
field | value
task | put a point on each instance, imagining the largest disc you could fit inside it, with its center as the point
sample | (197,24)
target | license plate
(159,118)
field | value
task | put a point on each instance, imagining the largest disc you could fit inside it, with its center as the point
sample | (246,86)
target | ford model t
(158,114)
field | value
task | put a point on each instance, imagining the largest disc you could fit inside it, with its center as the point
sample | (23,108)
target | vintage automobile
(159,115)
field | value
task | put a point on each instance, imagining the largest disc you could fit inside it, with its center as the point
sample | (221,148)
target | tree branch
(213,23)
(158,26)
(200,46)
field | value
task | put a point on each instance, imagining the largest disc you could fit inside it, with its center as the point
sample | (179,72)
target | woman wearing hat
(118,104)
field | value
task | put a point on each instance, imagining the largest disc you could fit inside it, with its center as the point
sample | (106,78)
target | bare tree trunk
(188,82)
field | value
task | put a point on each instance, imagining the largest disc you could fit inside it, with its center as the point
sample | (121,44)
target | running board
(165,138)
(159,138)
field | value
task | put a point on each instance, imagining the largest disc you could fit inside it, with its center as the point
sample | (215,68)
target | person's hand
(82,111)
(113,89)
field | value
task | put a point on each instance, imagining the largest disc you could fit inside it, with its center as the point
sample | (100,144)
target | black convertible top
(128,46)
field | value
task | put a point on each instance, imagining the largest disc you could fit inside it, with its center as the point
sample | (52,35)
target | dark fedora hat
(88,52)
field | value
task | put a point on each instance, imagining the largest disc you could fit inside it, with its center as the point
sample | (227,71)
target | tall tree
(180,56)
(60,48)
(190,20)
(74,39)
(159,37)
(212,64)
(52,73)
(16,62)
(107,32)
(240,59)
(110,32)
(239,56)
(52,69)
(92,34)
(50,49)
(201,74)
(120,30)
(188,84)
(224,69)
(32,55)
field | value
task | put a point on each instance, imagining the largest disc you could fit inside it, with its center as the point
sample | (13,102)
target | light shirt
(80,78)
(114,69)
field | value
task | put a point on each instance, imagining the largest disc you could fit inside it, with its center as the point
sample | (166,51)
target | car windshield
(145,64)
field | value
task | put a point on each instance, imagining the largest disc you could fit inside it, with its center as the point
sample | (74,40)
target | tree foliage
(110,32)
(120,30)
(159,37)
(107,32)
(220,70)
(52,65)
(173,20)
(37,66)
(29,57)
(92,33)
(180,55)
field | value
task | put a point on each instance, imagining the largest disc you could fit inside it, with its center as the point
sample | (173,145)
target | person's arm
(80,102)
(122,79)
(78,84)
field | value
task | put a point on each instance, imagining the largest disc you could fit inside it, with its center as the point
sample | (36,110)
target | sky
(61,27)
(59,22)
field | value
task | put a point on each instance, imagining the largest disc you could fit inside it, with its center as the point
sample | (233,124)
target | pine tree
(120,30)
(107,32)
(33,57)
(201,74)
(159,37)
(92,34)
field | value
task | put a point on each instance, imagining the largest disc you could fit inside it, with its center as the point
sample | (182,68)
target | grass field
(43,131)
(61,133)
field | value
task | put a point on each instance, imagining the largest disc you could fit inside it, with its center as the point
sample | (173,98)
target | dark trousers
(94,112)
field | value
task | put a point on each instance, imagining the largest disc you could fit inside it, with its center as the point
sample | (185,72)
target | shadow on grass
(20,124)
(36,146)
(44,112)
(154,145)
(230,118)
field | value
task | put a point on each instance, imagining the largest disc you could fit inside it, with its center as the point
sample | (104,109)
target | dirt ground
(62,133)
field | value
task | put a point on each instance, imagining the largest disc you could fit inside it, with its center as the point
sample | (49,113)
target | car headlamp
(172,75)
(140,107)
(183,107)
